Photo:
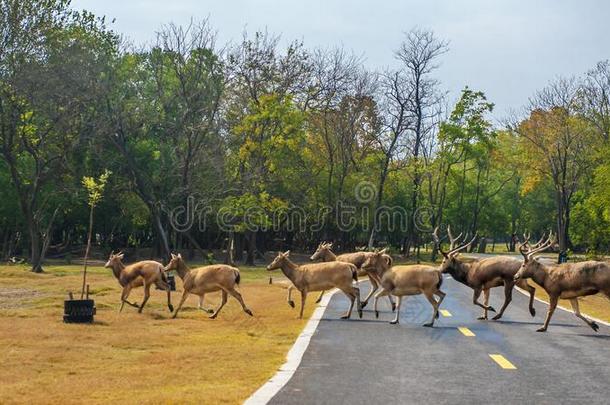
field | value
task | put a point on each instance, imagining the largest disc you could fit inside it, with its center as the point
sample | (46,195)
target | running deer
(206,279)
(566,281)
(320,277)
(405,281)
(325,253)
(144,273)
(483,274)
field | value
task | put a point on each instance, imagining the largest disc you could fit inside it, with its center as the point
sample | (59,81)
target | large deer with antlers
(484,274)
(144,273)
(566,281)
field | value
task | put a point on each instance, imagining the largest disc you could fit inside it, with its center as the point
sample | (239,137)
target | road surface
(370,361)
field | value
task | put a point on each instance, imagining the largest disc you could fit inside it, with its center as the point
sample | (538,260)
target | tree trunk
(230,248)
(82,292)
(35,249)
(239,248)
(251,248)
(382,179)
(161,233)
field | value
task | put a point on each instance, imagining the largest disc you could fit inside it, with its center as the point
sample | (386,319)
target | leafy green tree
(43,116)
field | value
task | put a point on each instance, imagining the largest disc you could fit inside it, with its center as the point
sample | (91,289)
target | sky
(506,48)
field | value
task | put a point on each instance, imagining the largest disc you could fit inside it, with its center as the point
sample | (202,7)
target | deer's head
(279,261)
(322,251)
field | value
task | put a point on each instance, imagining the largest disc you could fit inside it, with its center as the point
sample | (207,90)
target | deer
(484,274)
(405,281)
(565,281)
(206,279)
(144,273)
(325,253)
(320,277)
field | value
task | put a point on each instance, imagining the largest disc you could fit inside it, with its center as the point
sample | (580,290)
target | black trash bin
(171,280)
(79,311)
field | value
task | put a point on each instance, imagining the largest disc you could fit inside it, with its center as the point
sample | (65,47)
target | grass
(137,358)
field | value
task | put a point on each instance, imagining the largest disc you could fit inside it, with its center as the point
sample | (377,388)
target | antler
(542,238)
(464,246)
(453,241)
(531,252)
(437,241)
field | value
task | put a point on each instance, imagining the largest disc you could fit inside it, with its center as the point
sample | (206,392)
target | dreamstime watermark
(346,217)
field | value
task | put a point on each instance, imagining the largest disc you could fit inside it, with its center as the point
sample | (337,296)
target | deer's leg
(475,300)
(435,305)
(303,298)
(351,294)
(320,297)
(552,305)
(185,294)
(374,287)
(201,307)
(146,295)
(169,297)
(124,296)
(592,324)
(380,293)
(523,284)
(441,297)
(485,305)
(133,304)
(358,304)
(508,297)
(290,301)
(239,298)
(396,318)
(223,301)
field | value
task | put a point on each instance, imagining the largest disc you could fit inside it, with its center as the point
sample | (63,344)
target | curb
(293,359)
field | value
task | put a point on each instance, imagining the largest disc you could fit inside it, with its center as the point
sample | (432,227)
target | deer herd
(564,281)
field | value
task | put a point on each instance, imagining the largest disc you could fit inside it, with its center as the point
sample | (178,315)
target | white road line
(560,307)
(293,358)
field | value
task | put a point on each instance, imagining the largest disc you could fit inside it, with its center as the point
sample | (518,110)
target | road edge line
(526,293)
(293,359)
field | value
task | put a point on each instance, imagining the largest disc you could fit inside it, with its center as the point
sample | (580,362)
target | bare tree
(411,110)
(595,100)
(560,147)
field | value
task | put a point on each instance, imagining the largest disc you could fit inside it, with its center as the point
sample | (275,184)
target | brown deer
(325,253)
(405,281)
(484,274)
(144,273)
(206,279)
(565,281)
(320,277)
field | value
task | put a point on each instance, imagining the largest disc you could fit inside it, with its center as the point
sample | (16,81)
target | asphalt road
(370,361)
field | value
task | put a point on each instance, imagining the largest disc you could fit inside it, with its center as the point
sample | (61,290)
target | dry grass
(137,358)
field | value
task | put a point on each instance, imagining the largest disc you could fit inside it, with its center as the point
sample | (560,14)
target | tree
(162,108)
(43,116)
(95,190)
(560,145)
(419,53)
(594,98)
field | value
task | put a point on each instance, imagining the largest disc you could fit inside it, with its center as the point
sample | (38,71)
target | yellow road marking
(445,313)
(502,362)
(466,332)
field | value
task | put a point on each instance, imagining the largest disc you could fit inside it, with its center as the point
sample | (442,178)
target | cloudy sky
(507,48)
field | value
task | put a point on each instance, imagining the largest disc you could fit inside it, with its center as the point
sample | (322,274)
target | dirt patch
(12,298)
